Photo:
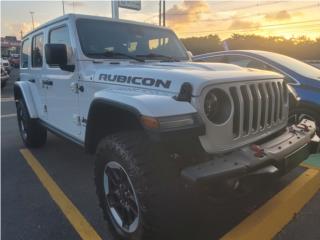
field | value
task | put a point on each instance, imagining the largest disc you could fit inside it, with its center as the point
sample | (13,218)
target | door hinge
(77,119)
(76,87)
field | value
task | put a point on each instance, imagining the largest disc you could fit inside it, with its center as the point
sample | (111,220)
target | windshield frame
(89,55)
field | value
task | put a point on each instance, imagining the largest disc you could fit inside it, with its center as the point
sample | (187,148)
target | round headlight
(217,106)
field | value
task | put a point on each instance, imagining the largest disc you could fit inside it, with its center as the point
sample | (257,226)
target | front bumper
(276,156)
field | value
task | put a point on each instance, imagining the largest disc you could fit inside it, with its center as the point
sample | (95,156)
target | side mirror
(56,54)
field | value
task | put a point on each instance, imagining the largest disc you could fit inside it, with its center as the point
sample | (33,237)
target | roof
(76,16)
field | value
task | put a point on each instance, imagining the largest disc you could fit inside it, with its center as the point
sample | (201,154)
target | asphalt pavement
(29,211)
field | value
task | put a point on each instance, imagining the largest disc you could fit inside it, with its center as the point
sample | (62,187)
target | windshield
(295,65)
(107,39)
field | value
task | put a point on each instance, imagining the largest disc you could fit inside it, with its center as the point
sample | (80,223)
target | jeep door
(62,97)
(34,75)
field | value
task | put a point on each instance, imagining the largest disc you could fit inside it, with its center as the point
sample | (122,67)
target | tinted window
(37,50)
(247,62)
(293,64)
(99,38)
(61,35)
(25,53)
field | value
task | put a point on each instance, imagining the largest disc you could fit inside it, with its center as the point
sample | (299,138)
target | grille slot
(246,109)
(257,106)
(236,114)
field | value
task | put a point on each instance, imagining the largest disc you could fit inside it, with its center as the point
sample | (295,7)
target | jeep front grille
(257,106)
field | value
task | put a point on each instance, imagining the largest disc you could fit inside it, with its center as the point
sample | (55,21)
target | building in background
(10,45)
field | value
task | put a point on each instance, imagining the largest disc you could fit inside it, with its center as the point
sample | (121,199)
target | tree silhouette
(301,47)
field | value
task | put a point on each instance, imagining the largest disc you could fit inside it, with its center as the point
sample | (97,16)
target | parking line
(9,115)
(269,219)
(78,221)
(307,165)
(7,99)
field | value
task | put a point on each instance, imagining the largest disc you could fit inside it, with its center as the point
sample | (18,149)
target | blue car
(304,78)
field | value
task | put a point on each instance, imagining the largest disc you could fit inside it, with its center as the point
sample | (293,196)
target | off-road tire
(33,134)
(155,181)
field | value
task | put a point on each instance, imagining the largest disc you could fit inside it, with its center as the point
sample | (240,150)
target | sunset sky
(188,18)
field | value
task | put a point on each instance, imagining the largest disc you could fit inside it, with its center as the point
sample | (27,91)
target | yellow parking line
(81,225)
(268,220)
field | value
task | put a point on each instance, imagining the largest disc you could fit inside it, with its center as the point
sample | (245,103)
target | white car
(4,77)
(6,65)
(161,126)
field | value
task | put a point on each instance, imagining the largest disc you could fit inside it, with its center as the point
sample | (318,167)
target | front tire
(33,134)
(149,182)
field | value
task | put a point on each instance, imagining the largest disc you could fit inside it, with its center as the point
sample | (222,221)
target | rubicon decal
(150,82)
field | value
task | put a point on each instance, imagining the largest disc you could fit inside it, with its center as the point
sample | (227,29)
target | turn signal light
(150,122)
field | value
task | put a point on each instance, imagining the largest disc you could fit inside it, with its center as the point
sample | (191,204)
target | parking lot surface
(33,207)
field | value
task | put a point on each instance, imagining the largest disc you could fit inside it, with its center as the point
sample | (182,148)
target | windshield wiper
(155,55)
(111,54)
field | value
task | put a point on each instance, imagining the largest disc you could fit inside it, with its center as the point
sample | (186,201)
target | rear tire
(154,181)
(33,134)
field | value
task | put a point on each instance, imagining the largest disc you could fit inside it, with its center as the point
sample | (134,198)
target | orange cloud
(14,29)
(180,15)
(241,24)
(278,16)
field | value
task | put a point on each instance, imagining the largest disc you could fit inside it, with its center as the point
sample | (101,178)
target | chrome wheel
(121,198)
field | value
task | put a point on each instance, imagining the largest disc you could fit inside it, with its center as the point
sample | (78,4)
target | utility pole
(21,34)
(31,13)
(164,12)
(160,13)
(63,7)
(115,9)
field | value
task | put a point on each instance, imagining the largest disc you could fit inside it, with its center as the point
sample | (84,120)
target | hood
(169,76)
(313,83)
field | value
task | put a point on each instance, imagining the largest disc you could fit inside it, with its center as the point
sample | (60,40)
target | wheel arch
(22,90)
(107,117)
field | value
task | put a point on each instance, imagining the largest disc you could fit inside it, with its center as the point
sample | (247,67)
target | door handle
(32,80)
(47,82)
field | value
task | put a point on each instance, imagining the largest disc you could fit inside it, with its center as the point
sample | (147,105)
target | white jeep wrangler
(157,122)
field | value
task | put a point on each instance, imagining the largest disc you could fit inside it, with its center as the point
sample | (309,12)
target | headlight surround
(172,122)
(217,106)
